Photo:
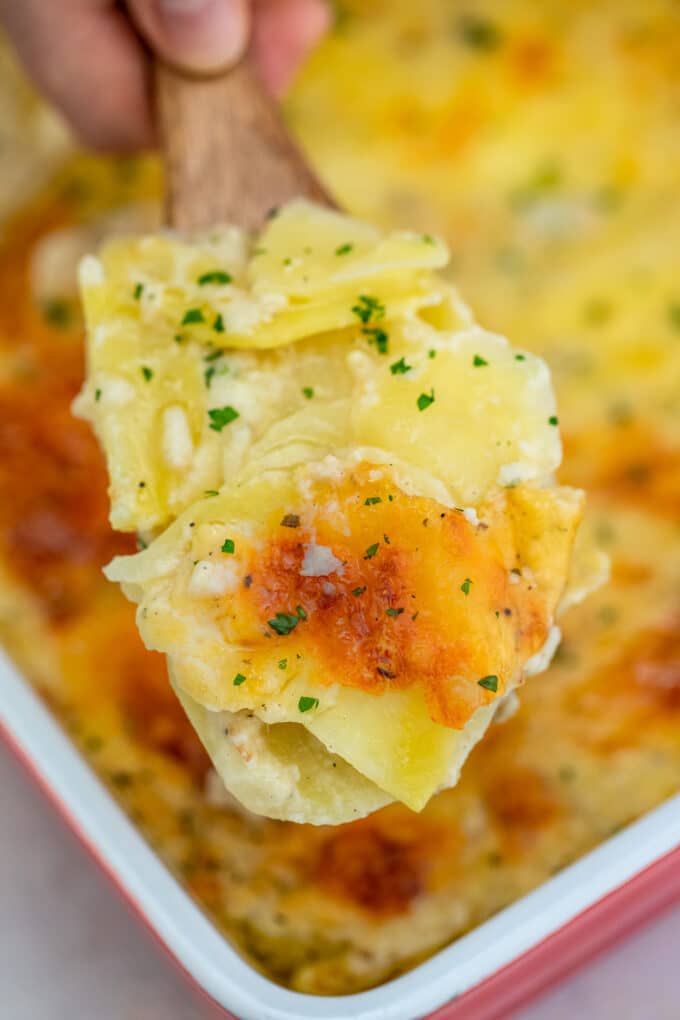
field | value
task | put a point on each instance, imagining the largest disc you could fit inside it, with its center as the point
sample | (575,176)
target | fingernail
(204,35)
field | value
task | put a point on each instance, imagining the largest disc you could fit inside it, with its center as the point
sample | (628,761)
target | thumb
(197,35)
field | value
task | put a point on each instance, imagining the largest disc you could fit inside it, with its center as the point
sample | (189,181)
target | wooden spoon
(228,155)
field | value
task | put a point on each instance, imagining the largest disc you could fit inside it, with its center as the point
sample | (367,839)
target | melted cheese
(473,152)
(396,663)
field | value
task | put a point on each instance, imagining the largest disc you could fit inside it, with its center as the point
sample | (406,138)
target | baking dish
(622,882)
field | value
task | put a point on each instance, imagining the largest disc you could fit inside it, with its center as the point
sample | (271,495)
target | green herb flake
(490,683)
(386,539)
(465,586)
(394,612)
(58,312)
(211,492)
(283,663)
(674,314)
(307,704)
(400,367)
(218,324)
(432,353)
(213,355)
(302,615)
(192,315)
(368,308)
(372,500)
(97,395)
(424,400)
(307,392)
(553,420)
(478,361)
(428,239)
(371,551)
(379,337)
(478,33)
(597,311)
(520,357)
(138,291)
(239,679)
(221,416)
(215,276)
(147,373)
(344,249)
(178,338)
(284,623)
(359,591)
(228,545)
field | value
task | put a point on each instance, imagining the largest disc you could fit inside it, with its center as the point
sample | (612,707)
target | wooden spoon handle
(228,155)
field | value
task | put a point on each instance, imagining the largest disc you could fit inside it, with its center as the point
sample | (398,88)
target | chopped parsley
(306,704)
(597,311)
(228,545)
(302,615)
(400,367)
(178,338)
(58,312)
(218,324)
(553,420)
(371,551)
(192,315)
(344,249)
(520,357)
(210,492)
(372,500)
(432,353)
(215,276)
(307,392)
(394,612)
(290,521)
(221,416)
(478,33)
(379,337)
(428,239)
(674,314)
(478,361)
(239,679)
(489,682)
(147,373)
(138,291)
(283,663)
(424,400)
(208,374)
(359,591)
(465,586)
(97,395)
(213,355)
(368,308)
(284,623)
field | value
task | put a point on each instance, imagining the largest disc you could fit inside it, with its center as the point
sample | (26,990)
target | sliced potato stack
(356,550)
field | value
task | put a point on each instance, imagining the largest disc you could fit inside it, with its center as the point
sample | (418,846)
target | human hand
(90,57)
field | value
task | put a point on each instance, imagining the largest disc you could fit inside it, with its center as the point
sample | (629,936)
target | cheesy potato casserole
(365,551)
(541,140)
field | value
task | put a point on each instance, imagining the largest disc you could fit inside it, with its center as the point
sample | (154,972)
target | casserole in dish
(541,141)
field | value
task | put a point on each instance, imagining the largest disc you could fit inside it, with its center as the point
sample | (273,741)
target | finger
(198,35)
(85,57)
(284,32)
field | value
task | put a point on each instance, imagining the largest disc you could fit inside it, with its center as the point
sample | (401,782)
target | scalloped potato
(356,550)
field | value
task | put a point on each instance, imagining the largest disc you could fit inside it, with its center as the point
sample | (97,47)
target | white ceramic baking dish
(478,977)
